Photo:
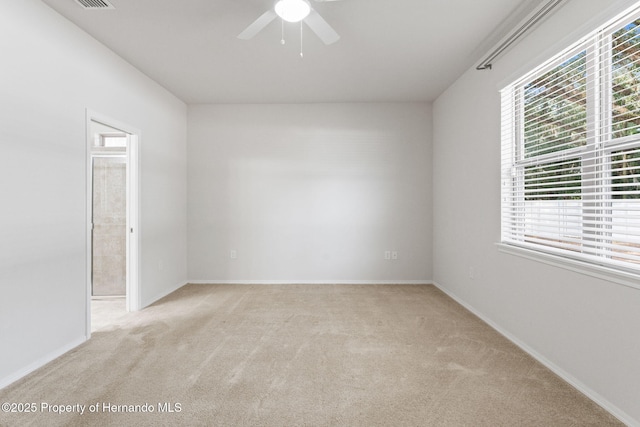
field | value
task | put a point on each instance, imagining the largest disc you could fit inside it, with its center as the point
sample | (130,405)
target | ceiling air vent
(95,4)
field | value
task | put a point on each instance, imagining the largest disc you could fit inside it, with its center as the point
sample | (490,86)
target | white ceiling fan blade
(322,29)
(257,25)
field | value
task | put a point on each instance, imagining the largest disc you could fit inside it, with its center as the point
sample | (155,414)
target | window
(110,141)
(571,151)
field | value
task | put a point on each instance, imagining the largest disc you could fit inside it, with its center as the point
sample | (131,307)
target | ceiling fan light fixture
(292,10)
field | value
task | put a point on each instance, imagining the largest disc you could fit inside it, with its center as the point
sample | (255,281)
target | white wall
(585,328)
(51,72)
(310,193)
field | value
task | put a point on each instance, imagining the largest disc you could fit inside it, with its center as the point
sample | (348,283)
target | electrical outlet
(394,255)
(387,254)
(233,254)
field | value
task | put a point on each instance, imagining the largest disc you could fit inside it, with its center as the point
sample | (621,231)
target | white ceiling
(390,50)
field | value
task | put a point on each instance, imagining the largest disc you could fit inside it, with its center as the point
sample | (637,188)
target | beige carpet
(302,355)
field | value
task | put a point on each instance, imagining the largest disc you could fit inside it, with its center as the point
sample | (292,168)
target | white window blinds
(571,151)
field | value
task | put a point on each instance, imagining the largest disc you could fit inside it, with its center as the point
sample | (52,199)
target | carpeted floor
(303,355)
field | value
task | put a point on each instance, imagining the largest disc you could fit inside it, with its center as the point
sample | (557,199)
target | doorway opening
(112,217)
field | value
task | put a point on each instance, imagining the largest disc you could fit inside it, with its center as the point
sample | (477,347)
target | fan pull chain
(301,55)
(282,34)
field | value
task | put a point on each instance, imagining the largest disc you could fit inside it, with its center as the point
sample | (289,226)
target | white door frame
(133,211)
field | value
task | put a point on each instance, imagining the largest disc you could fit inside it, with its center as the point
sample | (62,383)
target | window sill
(620,277)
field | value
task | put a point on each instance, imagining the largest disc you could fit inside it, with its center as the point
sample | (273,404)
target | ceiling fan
(294,11)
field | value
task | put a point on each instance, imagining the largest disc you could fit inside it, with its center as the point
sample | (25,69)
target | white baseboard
(4,382)
(59,352)
(577,384)
(309,282)
(162,294)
